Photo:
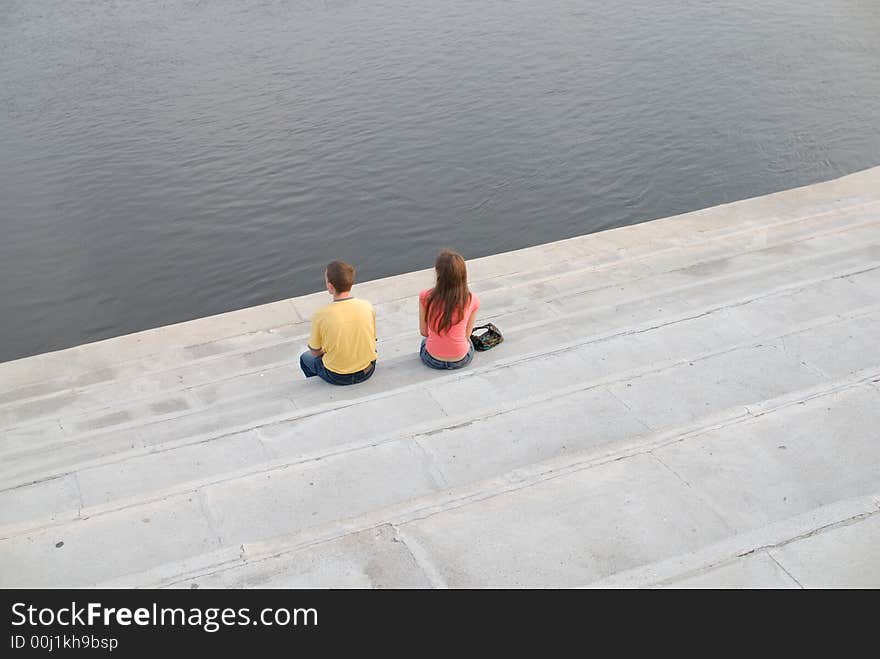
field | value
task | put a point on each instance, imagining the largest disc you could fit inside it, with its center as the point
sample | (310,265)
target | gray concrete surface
(690,402)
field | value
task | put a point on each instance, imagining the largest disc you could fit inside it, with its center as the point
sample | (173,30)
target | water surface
(165,161)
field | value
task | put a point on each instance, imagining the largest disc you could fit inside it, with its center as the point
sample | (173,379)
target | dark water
(168,160)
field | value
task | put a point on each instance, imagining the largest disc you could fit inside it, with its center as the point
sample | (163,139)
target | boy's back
(346,331)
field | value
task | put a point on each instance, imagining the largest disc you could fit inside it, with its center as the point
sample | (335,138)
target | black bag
(488,339)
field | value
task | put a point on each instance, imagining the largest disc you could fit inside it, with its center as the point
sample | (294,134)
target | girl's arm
(423,322)
(470,325)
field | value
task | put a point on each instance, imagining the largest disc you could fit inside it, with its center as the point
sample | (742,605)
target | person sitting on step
(342,344)
(446,315)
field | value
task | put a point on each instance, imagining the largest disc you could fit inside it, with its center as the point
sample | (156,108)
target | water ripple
(164,161)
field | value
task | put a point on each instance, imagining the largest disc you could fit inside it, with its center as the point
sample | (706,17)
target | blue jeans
(428,360)
(313,366)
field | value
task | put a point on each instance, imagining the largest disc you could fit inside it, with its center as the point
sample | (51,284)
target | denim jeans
(439,363)
(313,366)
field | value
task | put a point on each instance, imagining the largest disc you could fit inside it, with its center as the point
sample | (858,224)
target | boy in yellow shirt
(342,345)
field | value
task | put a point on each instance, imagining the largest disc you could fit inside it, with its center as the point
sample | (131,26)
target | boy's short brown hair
(341,275)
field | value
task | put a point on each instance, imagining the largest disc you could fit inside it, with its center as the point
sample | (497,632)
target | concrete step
(168,370)
(681,385)
(294,497)
(30,458)
(564,517)
(749,320)
(276,377)
(832,546)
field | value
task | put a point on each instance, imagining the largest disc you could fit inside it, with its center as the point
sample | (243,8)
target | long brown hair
(450,296)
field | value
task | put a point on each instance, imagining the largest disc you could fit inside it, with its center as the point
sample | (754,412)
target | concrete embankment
(690,401)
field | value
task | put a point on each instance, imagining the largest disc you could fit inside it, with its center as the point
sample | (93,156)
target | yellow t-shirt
(346,331)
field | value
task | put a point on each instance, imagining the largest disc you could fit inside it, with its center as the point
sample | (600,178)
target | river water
(161,161)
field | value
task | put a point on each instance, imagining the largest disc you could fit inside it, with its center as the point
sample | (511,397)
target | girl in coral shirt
(446,315)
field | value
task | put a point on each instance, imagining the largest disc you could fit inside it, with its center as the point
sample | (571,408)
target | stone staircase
(690,401)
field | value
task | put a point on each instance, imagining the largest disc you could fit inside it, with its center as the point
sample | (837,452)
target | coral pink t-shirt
(453,343)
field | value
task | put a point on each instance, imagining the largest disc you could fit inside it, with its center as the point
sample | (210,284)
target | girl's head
(446,304)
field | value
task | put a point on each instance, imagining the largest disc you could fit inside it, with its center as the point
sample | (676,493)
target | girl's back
(447,311)
(453,342)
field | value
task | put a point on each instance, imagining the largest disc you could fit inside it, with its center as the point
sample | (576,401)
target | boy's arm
(315,339)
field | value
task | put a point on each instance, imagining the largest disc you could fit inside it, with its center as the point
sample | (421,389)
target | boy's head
(339,277)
